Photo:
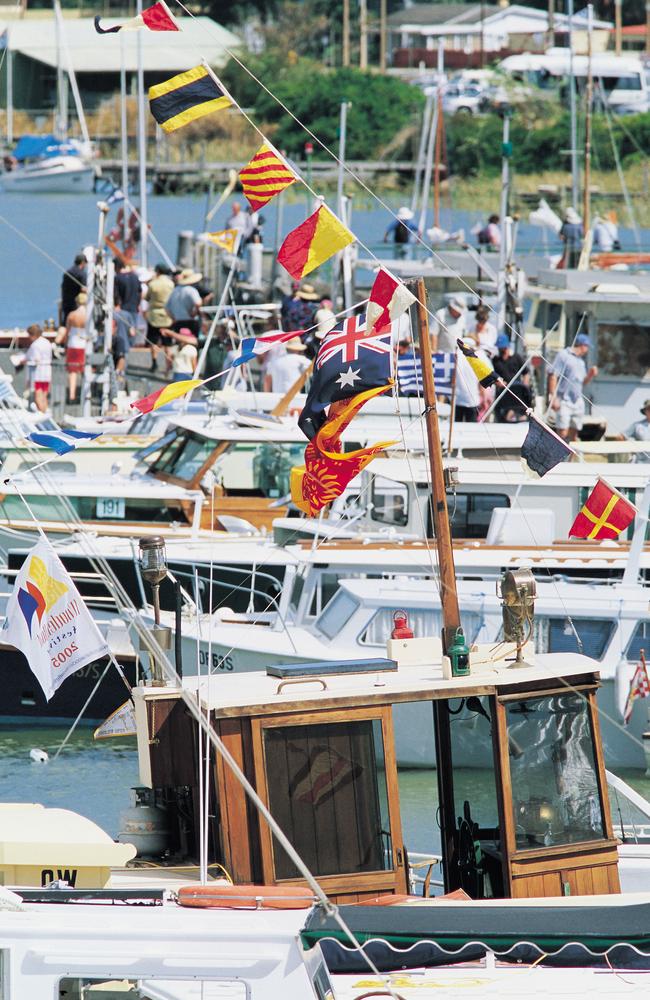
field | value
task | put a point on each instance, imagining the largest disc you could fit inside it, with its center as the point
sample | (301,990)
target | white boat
(45,165)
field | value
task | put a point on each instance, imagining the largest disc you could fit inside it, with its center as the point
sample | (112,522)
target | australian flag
(409,373)
(348,362)
(542,449)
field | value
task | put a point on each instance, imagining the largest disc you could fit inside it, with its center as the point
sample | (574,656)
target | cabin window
(272,463)
(624,348)
(184,456)
(327,790)
(558,635)
(389,501)
(337,614)
(555,797)
(423,622)
(65,468)
(639,641)
(469,513)
(631,821)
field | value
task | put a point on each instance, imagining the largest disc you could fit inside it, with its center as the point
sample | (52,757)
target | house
(470,33)
(33,54)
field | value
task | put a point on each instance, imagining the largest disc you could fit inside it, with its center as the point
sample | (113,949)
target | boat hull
(75,180)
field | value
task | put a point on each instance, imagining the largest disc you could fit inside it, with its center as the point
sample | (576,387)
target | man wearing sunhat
(184,302)
(566,382)
(640,431)
(401,229)
(285,368)
(449,325)
(299,310)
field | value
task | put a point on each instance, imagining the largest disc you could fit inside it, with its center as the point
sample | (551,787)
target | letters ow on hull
(48,621)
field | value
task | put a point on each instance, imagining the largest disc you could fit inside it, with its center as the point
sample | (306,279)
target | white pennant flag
(121,722)
(48,621)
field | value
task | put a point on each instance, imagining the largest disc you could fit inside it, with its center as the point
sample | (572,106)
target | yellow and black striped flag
(265,176)
(186,97)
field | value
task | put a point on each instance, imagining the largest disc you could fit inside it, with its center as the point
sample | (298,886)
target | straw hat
(189,277)
(295,344)
(308,293)
(404,214)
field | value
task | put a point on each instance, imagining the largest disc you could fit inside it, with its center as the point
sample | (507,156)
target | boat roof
(42,483)
(591,286)
(481,471)
(256,693)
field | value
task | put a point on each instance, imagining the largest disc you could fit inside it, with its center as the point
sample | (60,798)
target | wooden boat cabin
(318,743)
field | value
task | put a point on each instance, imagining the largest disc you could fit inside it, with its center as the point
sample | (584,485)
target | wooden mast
(453,640)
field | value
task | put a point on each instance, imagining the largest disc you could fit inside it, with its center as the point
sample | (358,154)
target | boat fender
(254,897)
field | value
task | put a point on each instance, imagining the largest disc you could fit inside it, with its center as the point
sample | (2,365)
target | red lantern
(401,628)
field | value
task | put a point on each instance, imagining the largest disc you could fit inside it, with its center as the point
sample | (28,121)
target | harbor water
(42,234)
(94,777)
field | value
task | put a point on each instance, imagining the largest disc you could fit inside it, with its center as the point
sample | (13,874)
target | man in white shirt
(286,368)
(449,325)
(38,359)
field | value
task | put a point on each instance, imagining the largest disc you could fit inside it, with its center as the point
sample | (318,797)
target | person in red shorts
(38,359)
(75,340)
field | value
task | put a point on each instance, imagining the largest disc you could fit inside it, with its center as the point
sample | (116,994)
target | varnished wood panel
(171,743)
(233,806)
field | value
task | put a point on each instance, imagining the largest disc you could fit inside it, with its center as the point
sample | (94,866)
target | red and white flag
(389,298)
(639,688)
(155,18)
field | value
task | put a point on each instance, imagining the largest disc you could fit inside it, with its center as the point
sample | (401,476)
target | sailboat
(54,164)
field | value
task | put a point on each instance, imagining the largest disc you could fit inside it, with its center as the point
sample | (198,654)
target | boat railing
(79,578)
(421,868)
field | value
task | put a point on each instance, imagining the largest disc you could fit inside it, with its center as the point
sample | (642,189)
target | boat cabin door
(523,799)
(330,780)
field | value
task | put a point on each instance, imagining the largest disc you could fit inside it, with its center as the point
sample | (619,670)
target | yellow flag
(226,239)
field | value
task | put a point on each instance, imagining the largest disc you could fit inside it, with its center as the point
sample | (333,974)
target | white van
(621,81)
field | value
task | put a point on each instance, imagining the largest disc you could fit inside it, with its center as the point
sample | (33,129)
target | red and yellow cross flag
(639,688)
(327,471)
(265,176)
(316,240)
(605,514)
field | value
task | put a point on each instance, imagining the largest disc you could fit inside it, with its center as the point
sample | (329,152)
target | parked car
(456,100)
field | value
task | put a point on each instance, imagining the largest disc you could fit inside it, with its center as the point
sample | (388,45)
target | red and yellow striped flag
(265,176)
(312,243)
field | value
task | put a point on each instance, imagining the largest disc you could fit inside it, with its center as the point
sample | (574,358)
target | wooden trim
(597,745)
(539,856)
(568,688)
(194,482)
(501,751)
(233,801)
(392,792)
(390,881)
(445,781)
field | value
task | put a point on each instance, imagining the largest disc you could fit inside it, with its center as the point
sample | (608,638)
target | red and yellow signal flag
(605,514)
(316,240)
(327,471)
(264,176)
(167,394)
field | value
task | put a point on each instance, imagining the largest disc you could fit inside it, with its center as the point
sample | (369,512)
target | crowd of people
(161,312)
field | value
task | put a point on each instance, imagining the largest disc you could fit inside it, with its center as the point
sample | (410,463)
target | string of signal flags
(190,96)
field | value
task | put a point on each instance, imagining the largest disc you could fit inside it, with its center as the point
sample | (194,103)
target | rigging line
(621,178)
(333,155)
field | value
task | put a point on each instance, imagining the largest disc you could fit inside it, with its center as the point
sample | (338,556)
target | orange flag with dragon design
(327,470)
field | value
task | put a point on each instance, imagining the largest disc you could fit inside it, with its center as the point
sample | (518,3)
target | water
(55,228)
(94,777)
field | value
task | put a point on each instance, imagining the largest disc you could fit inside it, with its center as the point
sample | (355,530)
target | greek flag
(409,373)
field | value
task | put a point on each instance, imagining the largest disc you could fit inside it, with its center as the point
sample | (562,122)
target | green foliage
(380,105)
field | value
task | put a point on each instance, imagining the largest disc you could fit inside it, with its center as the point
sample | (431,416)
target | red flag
(316,240)
(639,688)
(155,18)
(327,471)
(605,514)
(389,298)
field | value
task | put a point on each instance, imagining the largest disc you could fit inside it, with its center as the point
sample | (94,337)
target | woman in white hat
(284,369)
(402,229)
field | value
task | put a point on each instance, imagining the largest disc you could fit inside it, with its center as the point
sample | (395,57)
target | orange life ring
(252,897)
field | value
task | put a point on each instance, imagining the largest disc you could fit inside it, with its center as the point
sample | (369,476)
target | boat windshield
(337,614)
(555,795)
(183,456)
